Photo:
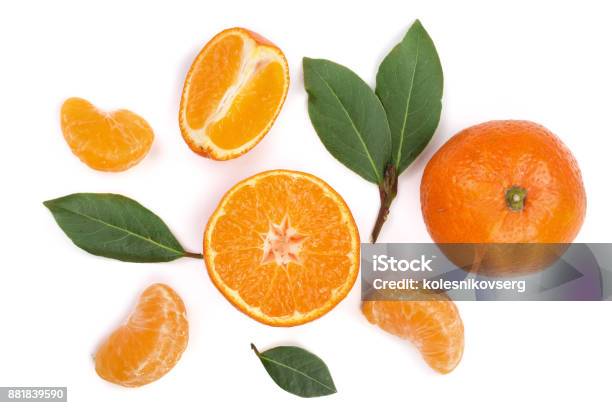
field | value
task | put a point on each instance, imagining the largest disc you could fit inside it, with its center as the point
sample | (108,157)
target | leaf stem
(192,255)
(254,349)
(388,192)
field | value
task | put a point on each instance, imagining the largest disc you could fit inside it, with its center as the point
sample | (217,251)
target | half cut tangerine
(282,246)
(232,94)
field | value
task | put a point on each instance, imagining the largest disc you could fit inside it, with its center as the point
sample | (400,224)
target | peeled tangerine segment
(149,344)
(106,141)
(282,246)
(430,321)
(233,93)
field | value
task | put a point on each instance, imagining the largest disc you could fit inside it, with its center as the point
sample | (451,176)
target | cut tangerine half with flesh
(282,246)
(149,344)
(430,321)
(233,92)
(107,141)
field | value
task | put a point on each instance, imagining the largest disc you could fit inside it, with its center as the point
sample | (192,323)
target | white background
(545,61)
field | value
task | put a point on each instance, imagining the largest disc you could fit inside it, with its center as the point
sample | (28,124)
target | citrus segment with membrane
(106,141)
(149,344)
(430,321)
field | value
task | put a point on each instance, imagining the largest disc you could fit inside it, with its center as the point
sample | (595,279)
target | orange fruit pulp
(430,320)
(107,141)
(282,246)
(149,344)
(233,92)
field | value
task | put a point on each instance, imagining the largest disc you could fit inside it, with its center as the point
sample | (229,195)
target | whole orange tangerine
(504,181)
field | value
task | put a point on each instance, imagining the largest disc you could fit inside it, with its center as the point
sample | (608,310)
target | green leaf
(297,371)
(115,226)
(348,117)
(409,83)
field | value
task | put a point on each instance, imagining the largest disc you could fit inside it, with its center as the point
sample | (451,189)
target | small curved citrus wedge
(149,344)
(107,141)
(431,322)
(282,246)
(233,92)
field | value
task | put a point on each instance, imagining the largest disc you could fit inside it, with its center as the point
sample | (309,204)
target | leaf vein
(297,371)
(416,62)
(359,136)
(128,232)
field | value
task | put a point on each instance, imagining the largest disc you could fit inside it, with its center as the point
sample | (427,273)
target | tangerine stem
(388,192)
(193,255)
(515,198)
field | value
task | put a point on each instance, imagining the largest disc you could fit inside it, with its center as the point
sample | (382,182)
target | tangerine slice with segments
(282,246)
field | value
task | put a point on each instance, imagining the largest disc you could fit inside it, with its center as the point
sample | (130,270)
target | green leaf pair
(115,226)
(378,135)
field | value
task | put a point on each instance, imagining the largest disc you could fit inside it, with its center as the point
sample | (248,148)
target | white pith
(282,244)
